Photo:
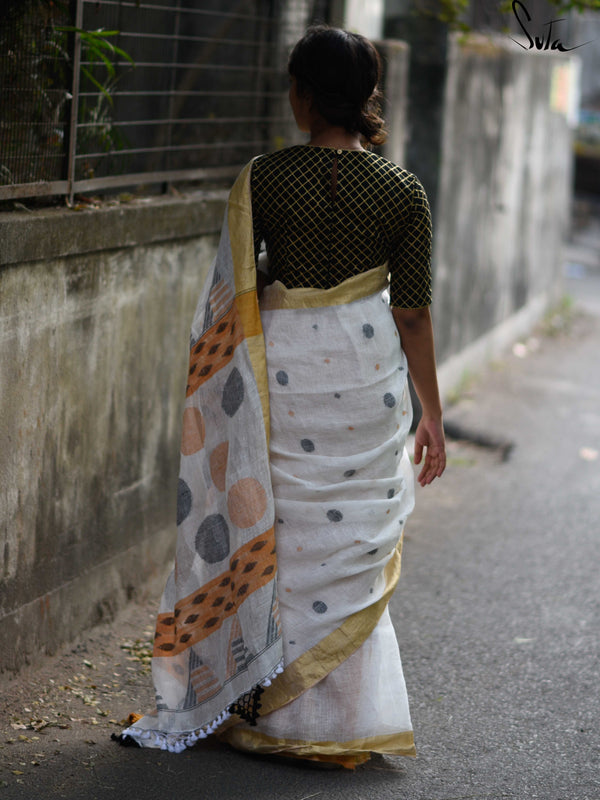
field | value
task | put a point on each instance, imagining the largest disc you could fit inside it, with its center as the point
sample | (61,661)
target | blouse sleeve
(410,261)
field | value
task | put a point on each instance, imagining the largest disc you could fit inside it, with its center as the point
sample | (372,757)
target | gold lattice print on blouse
(327,214)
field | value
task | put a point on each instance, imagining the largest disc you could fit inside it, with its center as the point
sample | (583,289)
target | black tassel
(124,740)
(247,705)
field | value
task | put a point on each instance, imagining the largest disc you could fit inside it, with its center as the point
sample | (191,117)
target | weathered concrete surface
(585,27)
(93,361)
(493,150)
(427,39)
(53,232)
(395,57)
(504,199)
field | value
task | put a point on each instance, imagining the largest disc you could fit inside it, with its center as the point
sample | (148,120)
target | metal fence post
(172,84)
(74,101)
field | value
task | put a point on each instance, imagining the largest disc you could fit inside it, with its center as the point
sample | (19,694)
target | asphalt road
(497,615)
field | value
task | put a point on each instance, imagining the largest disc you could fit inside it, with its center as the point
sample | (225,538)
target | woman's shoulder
(392,174)
(286,156)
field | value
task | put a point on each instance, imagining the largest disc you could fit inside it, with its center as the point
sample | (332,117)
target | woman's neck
(325,135)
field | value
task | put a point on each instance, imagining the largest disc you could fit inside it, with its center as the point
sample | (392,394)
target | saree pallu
(294,489)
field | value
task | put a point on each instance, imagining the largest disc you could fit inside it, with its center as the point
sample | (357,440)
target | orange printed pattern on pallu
(214,349)
(203,612)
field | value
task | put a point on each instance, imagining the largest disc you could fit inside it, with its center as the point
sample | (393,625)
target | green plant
(449,12)
(559,318)
(95,46)
(34,77)
(37,76)
(97,130)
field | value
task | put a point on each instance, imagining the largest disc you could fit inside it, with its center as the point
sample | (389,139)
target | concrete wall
(395,58)
(585,27)
(504,190)
(427,41)
(94,322)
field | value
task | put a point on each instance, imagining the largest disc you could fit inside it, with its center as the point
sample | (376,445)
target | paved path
(497,615)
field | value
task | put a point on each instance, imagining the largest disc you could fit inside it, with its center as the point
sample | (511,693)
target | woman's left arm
(416,334)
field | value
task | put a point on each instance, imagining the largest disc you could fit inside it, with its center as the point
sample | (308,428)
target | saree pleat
(343,488)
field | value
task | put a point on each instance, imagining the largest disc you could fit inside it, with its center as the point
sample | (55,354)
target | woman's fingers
(418,452)
(434,466)
(429,438)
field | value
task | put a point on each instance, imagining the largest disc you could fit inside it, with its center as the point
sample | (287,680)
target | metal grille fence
(34,103)
(205,92)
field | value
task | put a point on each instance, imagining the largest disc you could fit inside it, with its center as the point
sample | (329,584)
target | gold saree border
(241,237)
(277,296)
(397,744)
(241,240)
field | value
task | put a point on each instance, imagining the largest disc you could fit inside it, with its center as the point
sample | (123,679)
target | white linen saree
(295,486)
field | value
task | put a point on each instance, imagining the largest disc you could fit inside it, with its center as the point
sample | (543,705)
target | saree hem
(399,744)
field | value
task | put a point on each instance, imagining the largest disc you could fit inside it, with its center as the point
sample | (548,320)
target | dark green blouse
(327,214)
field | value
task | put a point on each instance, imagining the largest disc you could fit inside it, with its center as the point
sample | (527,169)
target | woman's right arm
(416,334)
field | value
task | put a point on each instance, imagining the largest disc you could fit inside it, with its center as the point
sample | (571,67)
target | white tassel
(177,743)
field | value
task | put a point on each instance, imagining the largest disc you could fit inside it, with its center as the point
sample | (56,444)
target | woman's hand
(430,435)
